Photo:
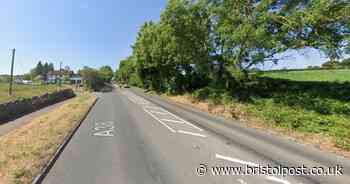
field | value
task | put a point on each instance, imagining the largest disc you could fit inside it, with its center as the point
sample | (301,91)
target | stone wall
(15,109)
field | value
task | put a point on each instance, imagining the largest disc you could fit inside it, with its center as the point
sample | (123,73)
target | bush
(314,107)
(135,80)
(201,94)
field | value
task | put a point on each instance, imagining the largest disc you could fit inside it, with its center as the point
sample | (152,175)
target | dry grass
(237,111)
(25,91)
(26,150)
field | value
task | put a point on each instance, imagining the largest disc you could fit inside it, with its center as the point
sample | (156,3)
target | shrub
(135,80)
(201,94)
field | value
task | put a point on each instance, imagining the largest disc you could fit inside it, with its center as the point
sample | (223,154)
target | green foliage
(27,76)
(106,73)
(208,47)
(345,64)
(220,40)
(135,80)
(4,78)
(166,52)
(201,94)
(303,120)
(126,70)
(92,79)
(316,107)
(214,95)
(42,70)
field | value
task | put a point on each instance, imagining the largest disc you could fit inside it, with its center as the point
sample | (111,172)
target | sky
(86,33)
(76,32)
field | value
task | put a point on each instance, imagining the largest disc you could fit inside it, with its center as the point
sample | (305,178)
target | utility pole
(60,80)
(12,65)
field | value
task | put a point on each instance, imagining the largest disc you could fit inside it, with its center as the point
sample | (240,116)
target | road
(132,138)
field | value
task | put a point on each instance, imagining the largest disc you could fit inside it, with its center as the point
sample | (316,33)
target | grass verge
(24,91)
(27,149)
(328,132)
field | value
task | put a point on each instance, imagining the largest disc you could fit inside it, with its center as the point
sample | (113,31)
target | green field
(24,91)
(311,75)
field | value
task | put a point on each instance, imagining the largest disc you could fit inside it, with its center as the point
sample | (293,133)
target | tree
(27,76)
(320,24)
(188,24)
(91,78)
(169,54)
(126,69)
(51,67)
(345,63)
(331,65)
(106,73)
(39,69)
(217,42)
(42,69)
(244,35)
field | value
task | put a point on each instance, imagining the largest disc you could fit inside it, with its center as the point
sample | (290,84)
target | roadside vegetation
(95,80)
(24,91)
(310,107)
(27,149)
(209,48)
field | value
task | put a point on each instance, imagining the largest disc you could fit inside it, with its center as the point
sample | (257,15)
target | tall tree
(91,78)
(39,69)
(244,35)
(51,67)
(106,73)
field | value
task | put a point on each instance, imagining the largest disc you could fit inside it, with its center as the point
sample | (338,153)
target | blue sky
(83,32)
(76,32)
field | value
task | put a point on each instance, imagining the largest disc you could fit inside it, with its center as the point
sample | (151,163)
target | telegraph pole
(12,65)
(60,80)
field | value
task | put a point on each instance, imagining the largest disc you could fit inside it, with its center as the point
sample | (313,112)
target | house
(76,79)
(65,75)
(53,76)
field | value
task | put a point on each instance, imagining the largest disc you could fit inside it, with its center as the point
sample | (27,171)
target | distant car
(126,86)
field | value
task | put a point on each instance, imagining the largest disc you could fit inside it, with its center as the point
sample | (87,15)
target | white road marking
(155,117)
(191,133)
(106,133)
(241,181)
(194,126)
(272,178)
(136,99)
(157,112)
(236,160)
(153,107)
(151,110)
(174,121)
(132,99)
(104,129)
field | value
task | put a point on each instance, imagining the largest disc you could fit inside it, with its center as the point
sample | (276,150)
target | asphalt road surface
(129,137)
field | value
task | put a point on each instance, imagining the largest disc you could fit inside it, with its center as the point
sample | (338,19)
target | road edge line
(46,169)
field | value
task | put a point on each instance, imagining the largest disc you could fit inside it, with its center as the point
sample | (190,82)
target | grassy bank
(311,75)
(317,111)
(24,91)
(26,150)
